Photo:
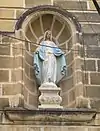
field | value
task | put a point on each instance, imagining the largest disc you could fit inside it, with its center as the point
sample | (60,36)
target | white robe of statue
(49,64)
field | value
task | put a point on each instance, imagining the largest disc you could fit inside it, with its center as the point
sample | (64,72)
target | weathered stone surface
(16,100)
(32,74)
(52,118)
(29,34)
(93,52)
(93,91)
(91,5)
(16,75)
(81,51)
(4,102)
(12,89)
(87,16)
(30,84)
(10,62)
(9,25)
(27,69)
(78,51)
(89,65)
(36,26)
(78,76)
(64,100)
(70,70)
(72,5)
(98,62)
(4,13)
(90,28)
(25,94)
(30,3)
(63,37)
(57,27)
(12,3)
(85,78)
(47,128)
(50,98)
(83,102)
(95,78)
(19,13)
(91,39)
(29,58)
(52,128)
(4,75)
(79,89)
(95,103)
(78,63)
(4,49)
(79,38)
(66,84)
(71,95)
(32,46)
(5,40)
(70,57)
(33,100)
(18,49)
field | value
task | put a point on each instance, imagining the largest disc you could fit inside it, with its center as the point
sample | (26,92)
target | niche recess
(65,29)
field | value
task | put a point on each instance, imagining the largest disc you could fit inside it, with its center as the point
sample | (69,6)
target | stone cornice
(51,116)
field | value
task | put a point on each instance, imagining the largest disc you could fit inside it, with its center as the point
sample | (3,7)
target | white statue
(49,61)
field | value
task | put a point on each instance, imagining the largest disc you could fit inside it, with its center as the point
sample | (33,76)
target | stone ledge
(51,116)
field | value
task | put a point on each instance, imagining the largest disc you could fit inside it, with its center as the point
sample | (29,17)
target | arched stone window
(66,33)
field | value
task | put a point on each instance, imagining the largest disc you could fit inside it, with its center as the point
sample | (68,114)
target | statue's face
(48,35)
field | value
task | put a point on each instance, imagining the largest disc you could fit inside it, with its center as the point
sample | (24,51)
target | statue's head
(48,35)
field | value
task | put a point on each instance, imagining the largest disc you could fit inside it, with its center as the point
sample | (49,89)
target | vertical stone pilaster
(89,79)
(1,90)
(96,65)
(9,75)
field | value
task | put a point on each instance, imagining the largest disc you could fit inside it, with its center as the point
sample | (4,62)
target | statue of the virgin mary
(49,61)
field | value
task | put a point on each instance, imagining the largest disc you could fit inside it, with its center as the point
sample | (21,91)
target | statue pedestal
(49,97)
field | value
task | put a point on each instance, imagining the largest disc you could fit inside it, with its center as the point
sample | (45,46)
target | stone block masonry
(91,67)
(16,77)
(19,63)
(22,62)
(14,9)
(12,74)
(10,71)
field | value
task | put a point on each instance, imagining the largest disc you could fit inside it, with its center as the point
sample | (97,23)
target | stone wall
(10,69)
(13,59)
(16,84)
(47,128)
(15,64)
(14,9)
(91,68)
(88,74)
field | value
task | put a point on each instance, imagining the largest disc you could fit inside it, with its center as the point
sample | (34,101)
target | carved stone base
(49,97)
(15,100)
(82,102)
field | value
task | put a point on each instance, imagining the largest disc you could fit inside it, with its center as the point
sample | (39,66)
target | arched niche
(65,29)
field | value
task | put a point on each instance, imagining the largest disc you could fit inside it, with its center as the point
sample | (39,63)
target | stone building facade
(75,25)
